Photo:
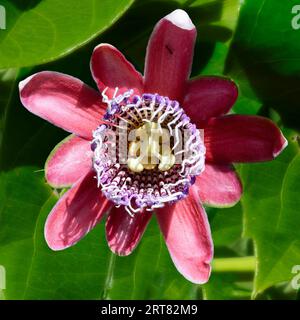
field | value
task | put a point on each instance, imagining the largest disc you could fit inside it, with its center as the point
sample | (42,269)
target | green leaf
(42,30)
(271,207)
(264,57)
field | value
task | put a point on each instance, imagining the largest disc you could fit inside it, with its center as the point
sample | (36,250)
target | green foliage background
(257,241)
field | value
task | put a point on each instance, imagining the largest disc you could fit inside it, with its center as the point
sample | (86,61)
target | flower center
(151,150)
(146,152)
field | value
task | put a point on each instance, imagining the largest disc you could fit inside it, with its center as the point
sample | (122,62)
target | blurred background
(257,242)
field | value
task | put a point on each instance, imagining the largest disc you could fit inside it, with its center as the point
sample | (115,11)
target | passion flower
(153,171)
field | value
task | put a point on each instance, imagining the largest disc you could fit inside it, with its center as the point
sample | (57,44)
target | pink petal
(170,55)
(123,232)
(239,138)
(63,101)
(187,233)
(111,69)
(68,162)
(208,97)
(76,213)
(218,186)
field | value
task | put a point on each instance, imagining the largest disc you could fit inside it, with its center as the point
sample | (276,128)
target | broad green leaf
(42,30)
(271,207)
(264,57)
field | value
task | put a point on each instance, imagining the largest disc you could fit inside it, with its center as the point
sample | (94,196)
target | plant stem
(240,264)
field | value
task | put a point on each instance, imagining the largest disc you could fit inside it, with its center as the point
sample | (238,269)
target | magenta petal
(239,138)
(208,97)
(219,186)
(187,233)
(170,55)
(123,232)
(76,213)
(111,69)
(64,101)
(68,162)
